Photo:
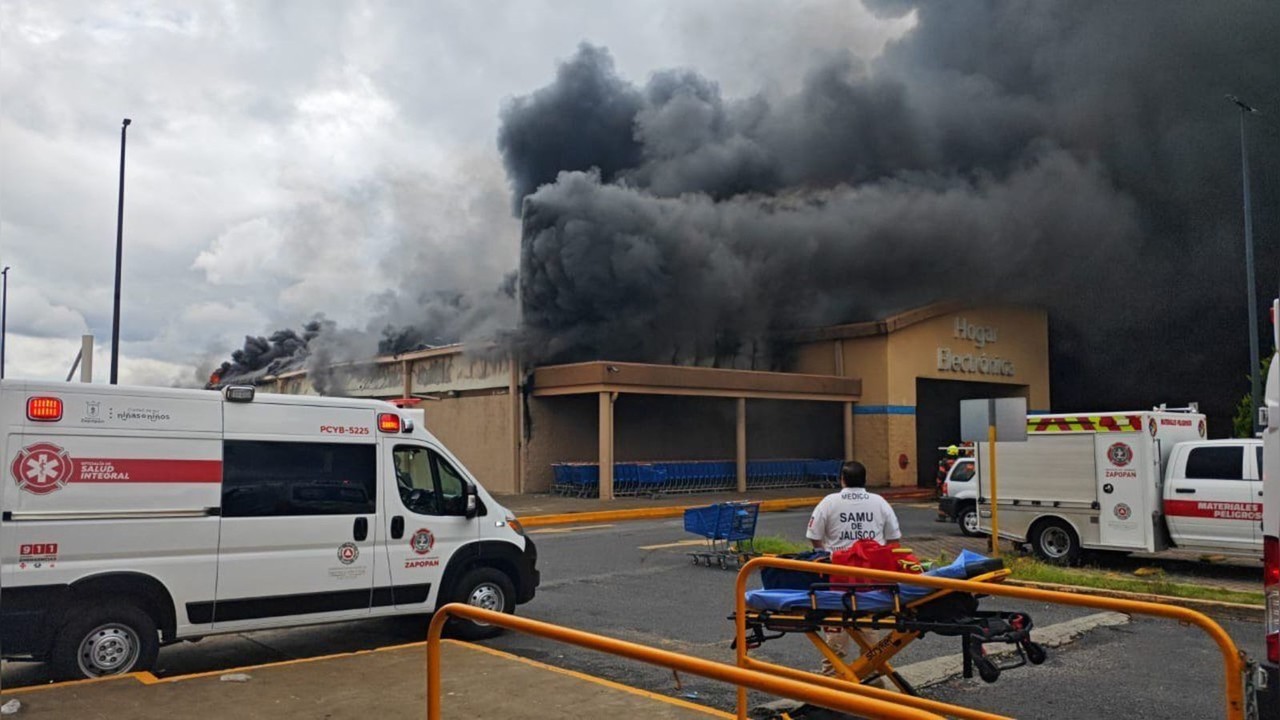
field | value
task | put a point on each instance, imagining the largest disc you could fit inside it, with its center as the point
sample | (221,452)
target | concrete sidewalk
(391,683)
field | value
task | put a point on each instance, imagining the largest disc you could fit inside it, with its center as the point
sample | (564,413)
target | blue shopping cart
(730,530)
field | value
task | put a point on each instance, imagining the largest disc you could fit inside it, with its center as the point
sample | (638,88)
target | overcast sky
(275,147)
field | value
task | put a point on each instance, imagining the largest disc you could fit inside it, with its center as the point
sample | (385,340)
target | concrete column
(848,431)
(742,445)
(606,446)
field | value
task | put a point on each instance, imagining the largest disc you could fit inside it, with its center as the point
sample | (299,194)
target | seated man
(845,517)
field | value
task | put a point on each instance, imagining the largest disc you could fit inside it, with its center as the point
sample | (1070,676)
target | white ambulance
(134,517)
(1128,482)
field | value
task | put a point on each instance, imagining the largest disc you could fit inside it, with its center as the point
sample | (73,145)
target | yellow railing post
(831,698)
(1234,666)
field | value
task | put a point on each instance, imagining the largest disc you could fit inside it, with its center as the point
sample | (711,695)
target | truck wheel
(967,519)
(1055,542)
(113,638)
(487,588)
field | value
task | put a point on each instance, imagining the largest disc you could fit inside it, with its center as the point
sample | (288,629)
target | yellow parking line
(682,543)
(576,528)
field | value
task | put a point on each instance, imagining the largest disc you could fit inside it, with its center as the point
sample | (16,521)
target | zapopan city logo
(1122,511)
(42,468)
(422,541)
(1120,454)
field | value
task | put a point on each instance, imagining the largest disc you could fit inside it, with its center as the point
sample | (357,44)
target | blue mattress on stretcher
(967,565)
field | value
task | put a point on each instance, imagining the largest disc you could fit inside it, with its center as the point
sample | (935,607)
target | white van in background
(133,517)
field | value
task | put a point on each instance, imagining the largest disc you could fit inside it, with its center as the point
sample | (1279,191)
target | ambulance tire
(484,587)
(98,640)
(1054,541)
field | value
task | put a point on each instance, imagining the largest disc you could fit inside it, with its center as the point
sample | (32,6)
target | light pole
(4,317)
(1254,376)
(115,313)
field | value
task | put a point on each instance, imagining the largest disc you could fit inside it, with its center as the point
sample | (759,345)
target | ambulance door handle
(361,530)
(397,527)
(1185,491)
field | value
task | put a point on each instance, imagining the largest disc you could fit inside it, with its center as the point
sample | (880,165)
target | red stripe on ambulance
(1215,510)
(91,470)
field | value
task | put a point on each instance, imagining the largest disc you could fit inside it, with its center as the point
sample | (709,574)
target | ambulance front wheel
(112,638)
(487,588)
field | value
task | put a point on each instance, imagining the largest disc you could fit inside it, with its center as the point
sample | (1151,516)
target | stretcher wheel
(1035,653)
(987,670)
(696,560)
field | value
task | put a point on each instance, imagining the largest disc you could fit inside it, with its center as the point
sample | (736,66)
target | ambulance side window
(415,480)
(452,486)
(271,479)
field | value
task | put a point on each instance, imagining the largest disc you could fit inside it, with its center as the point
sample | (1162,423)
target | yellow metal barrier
(1231,656)
(832,698)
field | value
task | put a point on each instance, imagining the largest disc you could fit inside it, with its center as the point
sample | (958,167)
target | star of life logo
(42,468)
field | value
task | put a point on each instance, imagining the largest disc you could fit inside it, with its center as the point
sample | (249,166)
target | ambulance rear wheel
(112,638)
(1054,541)
(486,588)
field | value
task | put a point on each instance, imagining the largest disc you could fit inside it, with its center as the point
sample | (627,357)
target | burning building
(885,392)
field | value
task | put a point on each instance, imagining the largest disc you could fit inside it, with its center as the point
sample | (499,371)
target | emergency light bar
(44,409)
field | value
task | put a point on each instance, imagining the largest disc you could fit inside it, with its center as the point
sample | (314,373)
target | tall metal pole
(1255,376)
(115,313)
(4,317)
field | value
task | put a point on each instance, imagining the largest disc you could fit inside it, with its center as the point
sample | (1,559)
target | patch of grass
(778,545)
(1030,569)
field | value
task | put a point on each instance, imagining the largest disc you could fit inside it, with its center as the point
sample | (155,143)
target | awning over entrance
(597,377)
(607,380)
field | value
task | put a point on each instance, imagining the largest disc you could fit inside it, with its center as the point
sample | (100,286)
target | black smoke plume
(1076,155)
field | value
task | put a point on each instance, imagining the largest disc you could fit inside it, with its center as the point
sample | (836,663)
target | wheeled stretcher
(907,612)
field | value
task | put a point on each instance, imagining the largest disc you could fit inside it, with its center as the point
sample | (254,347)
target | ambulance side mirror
(473,502)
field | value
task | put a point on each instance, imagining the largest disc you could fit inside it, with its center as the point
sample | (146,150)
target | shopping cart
(730,530)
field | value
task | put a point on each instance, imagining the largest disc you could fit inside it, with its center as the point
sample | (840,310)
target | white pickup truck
(959,501)
(1132,481)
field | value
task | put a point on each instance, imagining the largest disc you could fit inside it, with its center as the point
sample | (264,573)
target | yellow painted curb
(1209,607)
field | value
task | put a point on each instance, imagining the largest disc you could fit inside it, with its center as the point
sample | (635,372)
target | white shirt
(842,518)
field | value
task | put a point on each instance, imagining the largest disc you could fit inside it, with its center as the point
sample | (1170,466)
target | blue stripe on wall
(884,410)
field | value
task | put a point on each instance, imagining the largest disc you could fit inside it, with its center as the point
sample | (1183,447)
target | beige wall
(878,440)
(560,429)
(1022,338)
(478,430)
